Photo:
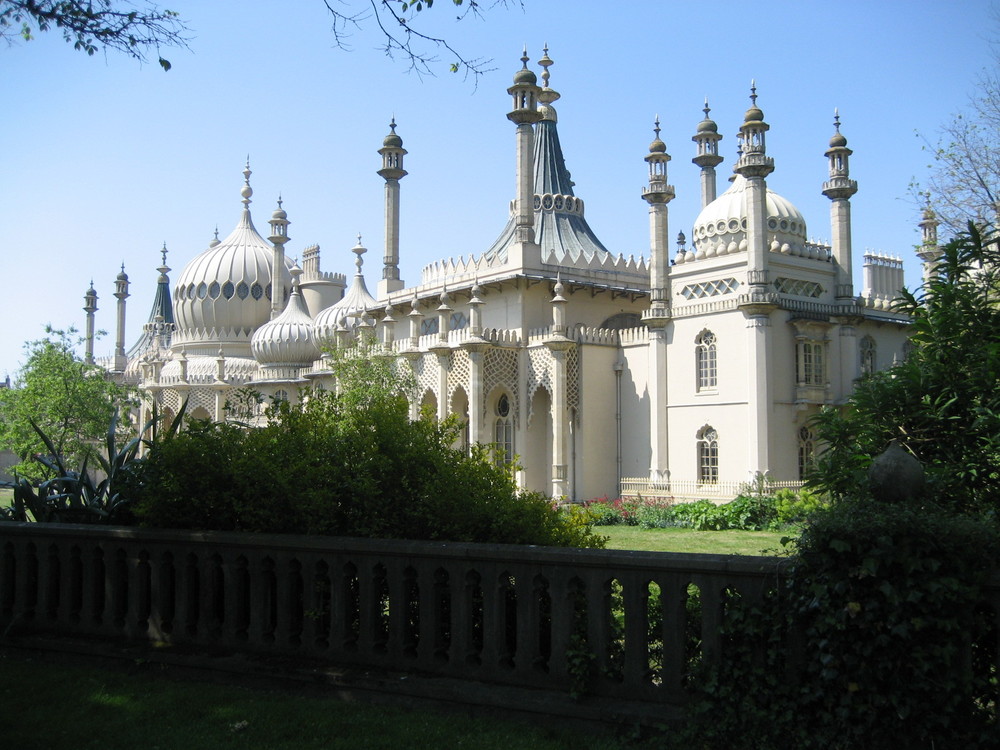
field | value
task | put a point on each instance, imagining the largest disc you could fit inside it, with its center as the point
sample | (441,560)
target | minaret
(929,251)
(658,194)
(121,293)
(839,189)
(707,139)
(392,172)
(755,165)
(90,307)
(279,236)
(524,113)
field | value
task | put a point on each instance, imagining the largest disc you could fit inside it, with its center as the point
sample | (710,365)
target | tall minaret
(524,114)
(392,172)
(121,293)
(707,139)
(90,307)
(658,194)
(279,236)
(755,165)
(839,189)
(929,251)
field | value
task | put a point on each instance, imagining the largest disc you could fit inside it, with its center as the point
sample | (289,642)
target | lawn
(689,540)
(66,707)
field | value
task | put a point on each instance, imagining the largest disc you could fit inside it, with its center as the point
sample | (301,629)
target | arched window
(504,430)
(706,362)
(280,395)
(807,451)
(708,455)
(867,350)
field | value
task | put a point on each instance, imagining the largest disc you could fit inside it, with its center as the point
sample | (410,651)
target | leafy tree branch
(135,29)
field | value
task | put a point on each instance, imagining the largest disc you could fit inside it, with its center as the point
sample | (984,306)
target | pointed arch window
(867,351)
(503,434)
(807,451)
(708,455)
(706,362)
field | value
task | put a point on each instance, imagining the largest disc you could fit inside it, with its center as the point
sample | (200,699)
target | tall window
(867,350)
(807,451)
(708,456)
(706,363)
(809,363)
(504,432)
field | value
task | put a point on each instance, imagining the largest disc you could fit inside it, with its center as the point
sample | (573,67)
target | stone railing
(525,617)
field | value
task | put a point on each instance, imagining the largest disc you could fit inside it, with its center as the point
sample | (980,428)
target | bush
(338,466)
(865,644)
(618,512)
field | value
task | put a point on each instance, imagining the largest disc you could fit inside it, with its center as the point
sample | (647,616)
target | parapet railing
(685,490)
(630,625)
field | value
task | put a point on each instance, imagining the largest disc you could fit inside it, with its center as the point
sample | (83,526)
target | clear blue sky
(106,160)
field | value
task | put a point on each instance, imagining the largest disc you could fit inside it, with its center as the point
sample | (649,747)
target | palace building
(683,374)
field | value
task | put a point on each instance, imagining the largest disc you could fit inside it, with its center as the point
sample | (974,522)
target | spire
(658,194)
(392,172)
(524,113)
(121,294)
(755,165)
(279,236)
(929,251)
(157,330)
(839,189)
(707,140)
(547,95)
(90,307)
(246,191)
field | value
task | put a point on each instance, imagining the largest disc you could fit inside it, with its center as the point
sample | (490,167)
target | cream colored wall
(595,439)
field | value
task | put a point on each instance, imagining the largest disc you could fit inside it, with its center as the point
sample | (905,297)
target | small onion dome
(838,141)
(707,126)
(289,338)
(657,147)
(122,276)
(754,114)
(279,213)
(392,140)
(344,313)
(524,75)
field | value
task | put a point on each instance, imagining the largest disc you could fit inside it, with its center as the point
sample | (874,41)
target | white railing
(685,490)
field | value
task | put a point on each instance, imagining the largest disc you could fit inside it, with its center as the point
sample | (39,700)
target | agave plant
(72,496)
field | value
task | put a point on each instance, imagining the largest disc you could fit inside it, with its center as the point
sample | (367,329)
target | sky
(107,159)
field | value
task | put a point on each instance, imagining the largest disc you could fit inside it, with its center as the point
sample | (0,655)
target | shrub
(864,644)
(348,467)
(620,511)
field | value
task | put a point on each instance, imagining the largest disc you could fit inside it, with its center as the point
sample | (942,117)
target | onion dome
(837,140)
(722,224)
(344,313)
(657,146)
(524,75)
(754,114)
(224,294)
(288,339)
(392,140)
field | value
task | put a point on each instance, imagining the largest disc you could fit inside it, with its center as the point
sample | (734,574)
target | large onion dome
(224,294)
(288,340)
(721,227)
(345,313)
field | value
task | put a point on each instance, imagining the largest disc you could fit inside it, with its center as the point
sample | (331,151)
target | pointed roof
(560,227)
(161,314)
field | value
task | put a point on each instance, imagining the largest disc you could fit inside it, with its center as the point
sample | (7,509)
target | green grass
(689,540)
(59,707)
